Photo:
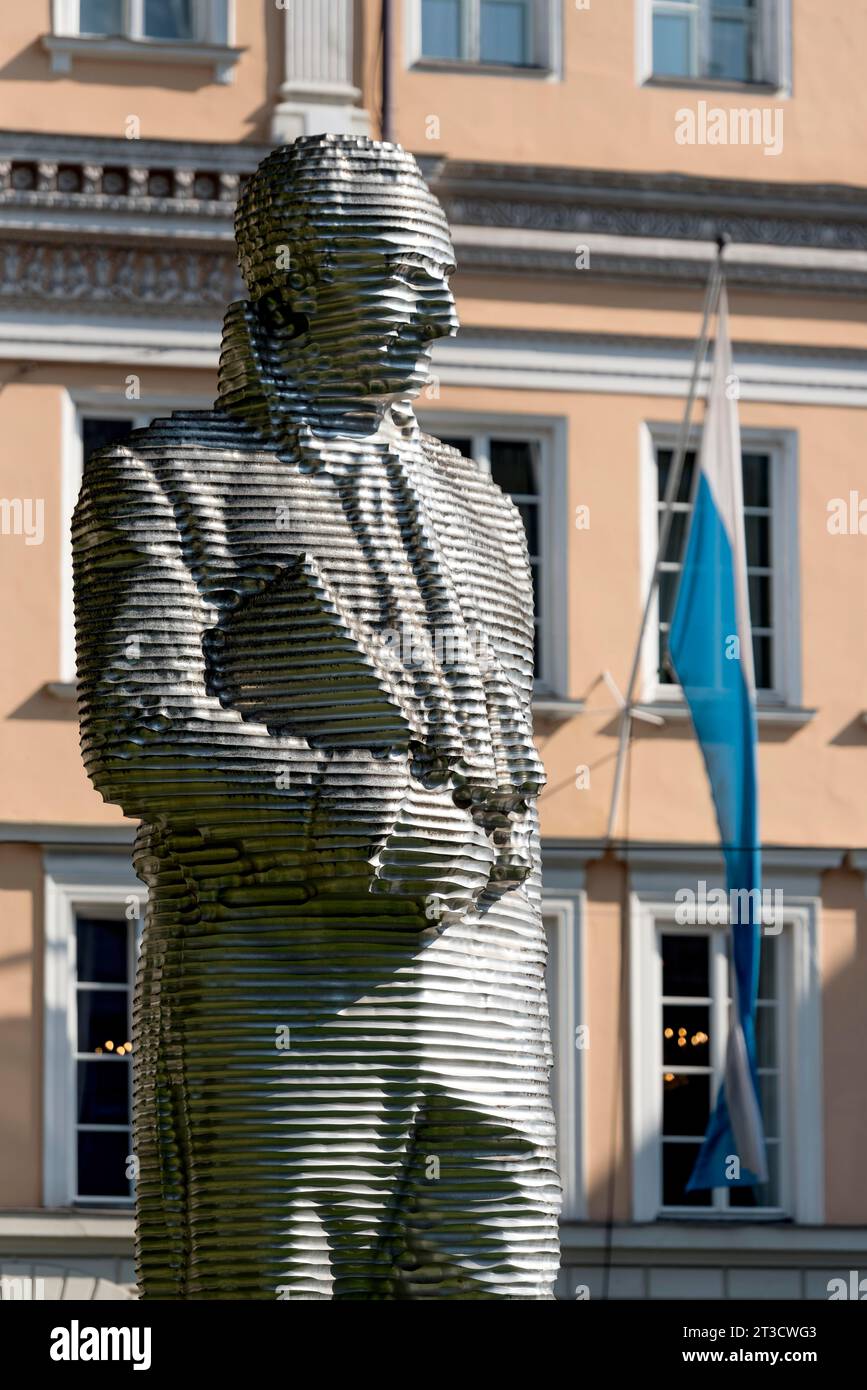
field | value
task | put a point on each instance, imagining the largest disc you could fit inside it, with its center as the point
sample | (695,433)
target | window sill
(472,69)
(53,1224)
(715,84)
(63,48)
(769,716)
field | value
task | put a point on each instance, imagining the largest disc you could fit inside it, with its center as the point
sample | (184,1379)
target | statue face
(373,318)
(377,317)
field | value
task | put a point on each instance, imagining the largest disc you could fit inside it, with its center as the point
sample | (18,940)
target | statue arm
(152,737)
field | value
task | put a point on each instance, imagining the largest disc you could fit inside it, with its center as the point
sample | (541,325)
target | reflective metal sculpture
(305,654)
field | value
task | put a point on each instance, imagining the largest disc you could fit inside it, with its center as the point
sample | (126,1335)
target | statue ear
(276,316)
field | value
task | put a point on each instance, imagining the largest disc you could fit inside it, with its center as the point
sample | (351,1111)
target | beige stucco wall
(844,974)
(20,1026)
(600,118)
(171,101)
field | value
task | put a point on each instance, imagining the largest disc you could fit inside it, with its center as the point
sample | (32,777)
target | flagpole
(710,303)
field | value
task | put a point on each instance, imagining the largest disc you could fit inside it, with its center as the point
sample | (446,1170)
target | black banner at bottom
(226,1338)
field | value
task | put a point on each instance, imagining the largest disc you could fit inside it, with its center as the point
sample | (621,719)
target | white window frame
(74,407)
(212,42)
(546,35)
(550,435)
(782,446)
(210,21)
(73,883)
(774,39)
(563,916)
(800,1005)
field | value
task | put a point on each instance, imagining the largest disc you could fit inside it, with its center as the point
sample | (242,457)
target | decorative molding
(523,220)
(127,278)
(624,202)
(515,359)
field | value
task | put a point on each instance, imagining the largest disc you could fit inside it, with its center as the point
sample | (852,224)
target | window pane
(100,17)
(768,967)
(766,1195)
(769,1088)
(758,529)
(760,600)
(102,1162)
(101,950)
(664,460)
(96,434)
(731,50)
(757,480)
(463,446)
(103,1093)
(685,965)
(103,1018)
(441,29)
(668,582)
(685,1104)
(168,19)
(763,663)
(512,465)
(664,675)
(504,31)
(678,1161)
(672,45)
(530,517)
(766,1035)
(685,1040)
(676,542)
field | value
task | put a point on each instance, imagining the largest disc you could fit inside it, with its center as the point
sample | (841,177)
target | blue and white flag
(711,649)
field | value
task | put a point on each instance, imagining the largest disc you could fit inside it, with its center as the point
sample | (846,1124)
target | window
(93,909)
(171,31)
(693,1020)
(98,432)
(769,486)
(105,948)
(514,464)
(728,41)
(499,33)
(757,520)
(680,1003)
(148,19)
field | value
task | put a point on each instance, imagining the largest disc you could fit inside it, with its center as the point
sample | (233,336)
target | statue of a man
(305,654)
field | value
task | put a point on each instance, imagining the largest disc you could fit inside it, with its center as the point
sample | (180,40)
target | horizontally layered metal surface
(305,659)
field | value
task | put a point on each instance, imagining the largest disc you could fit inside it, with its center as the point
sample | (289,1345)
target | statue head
(346,255)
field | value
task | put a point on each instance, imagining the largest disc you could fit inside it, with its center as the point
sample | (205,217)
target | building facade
(588,156)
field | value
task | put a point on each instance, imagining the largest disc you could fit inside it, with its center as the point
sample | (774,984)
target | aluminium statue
(305,657)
